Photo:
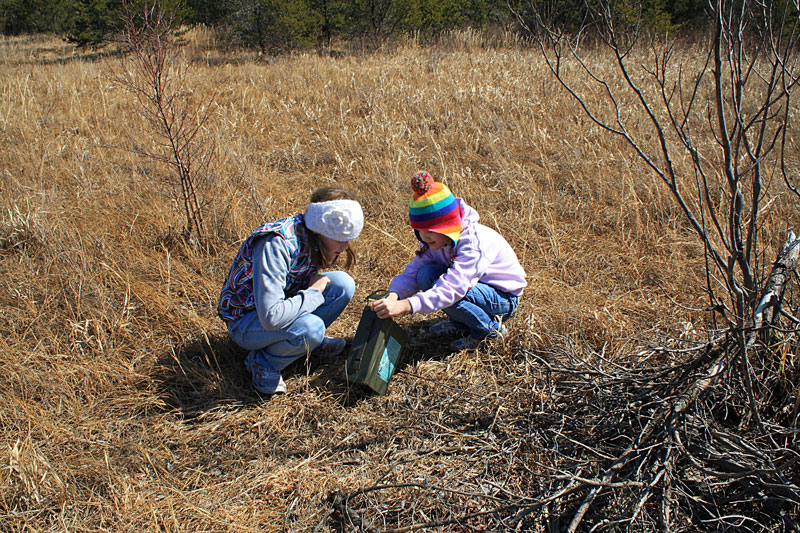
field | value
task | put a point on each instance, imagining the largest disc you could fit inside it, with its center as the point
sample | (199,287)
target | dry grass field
(124,407)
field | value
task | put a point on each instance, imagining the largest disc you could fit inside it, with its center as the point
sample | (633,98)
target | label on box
(389,359)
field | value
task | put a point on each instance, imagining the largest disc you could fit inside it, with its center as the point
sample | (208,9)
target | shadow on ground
(209,372)
(203,374)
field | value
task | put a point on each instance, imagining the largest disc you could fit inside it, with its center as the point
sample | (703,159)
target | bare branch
(156,78)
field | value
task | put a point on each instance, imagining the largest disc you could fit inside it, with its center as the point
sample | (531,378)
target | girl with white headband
(275,302)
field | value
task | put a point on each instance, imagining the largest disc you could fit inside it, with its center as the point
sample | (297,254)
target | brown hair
(315,248)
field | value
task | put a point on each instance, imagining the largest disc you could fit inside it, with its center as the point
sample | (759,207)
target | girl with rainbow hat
(462,267)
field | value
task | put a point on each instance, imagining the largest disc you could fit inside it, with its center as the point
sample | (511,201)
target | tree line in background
(281,25)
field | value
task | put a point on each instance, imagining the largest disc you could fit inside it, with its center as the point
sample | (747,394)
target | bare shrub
(156,75)
(715,135)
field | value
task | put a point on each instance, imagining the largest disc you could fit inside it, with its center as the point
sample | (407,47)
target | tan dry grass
(124,406)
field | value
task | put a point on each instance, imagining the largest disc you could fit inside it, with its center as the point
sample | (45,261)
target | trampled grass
(124,406)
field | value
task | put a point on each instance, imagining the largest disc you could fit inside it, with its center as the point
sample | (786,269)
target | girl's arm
(271,260)
(401,287)
(466,270)
(390,306)
(405,283)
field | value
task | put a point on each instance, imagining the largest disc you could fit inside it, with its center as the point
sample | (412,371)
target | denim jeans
(277,349)
(481,309)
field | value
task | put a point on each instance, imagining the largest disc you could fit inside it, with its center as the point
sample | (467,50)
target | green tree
(481,13)
(570,15)
(208,12)
(31,16)
(435,16)
(274,25)
(93,22)
(333,18)
(97,21)
(687,12)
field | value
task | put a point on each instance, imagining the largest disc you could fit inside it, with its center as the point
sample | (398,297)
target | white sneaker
(330,347)
(265,379)
(444,328)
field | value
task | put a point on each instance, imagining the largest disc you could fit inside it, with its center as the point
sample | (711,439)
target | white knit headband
(340,220)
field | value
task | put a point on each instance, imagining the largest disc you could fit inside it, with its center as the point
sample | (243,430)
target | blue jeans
(481,309)
(279,348)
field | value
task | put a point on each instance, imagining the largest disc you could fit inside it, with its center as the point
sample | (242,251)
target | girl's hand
(390,306)
(319,282)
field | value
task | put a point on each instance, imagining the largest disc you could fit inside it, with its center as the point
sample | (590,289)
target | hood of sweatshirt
(469,216)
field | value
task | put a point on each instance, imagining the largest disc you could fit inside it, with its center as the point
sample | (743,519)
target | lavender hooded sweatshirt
(481,255)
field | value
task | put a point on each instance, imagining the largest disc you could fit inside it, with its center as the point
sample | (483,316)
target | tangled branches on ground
(581,442)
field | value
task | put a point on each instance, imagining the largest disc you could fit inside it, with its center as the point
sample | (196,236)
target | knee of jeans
(344,282)
(316,332)
(427,276)
(312,332)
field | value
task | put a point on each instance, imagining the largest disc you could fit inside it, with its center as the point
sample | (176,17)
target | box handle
(377,295)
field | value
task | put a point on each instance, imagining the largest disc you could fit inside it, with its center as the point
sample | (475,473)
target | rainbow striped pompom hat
(434,208)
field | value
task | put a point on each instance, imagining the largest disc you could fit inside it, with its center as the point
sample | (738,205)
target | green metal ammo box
(376,349)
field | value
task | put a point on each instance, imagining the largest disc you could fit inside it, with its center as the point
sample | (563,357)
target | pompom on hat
(434,208)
